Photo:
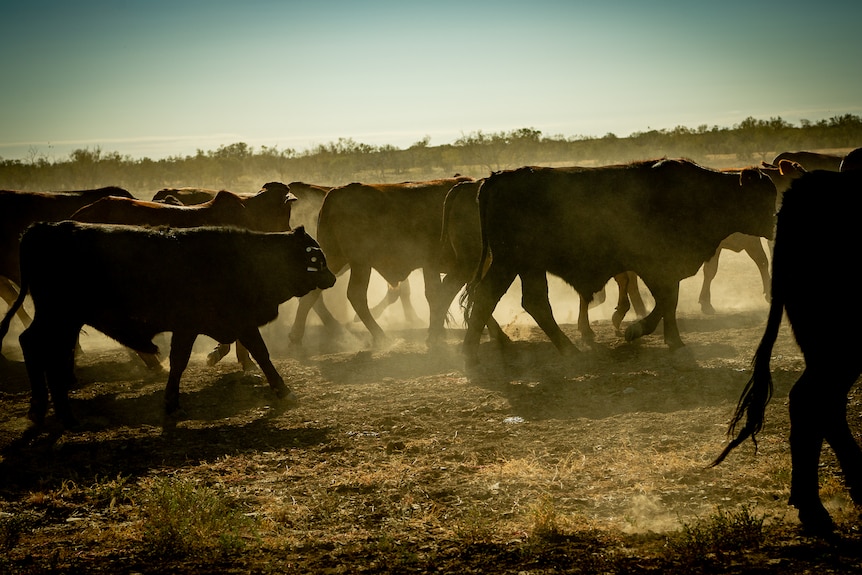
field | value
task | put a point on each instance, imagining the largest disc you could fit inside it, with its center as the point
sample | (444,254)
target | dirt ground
(400,461)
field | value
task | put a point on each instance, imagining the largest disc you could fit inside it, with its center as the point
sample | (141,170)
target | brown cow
(266,211)
(19,209)
(392,228)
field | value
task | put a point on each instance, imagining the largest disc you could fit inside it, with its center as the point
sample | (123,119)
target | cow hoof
(286,395)
(707,308)
(471,361)
(216,354)
(675,345)
(37,416)
(634,331)
(816,522)
(617,321)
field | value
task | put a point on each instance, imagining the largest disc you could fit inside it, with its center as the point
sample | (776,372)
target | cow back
(133,282)
(661,217)
(394,228)
(19,209)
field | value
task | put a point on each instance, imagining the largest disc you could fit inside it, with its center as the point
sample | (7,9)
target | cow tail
(758,390)
(7,319)
(468,297)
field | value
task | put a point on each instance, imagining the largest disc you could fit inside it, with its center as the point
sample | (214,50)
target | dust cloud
(736,287)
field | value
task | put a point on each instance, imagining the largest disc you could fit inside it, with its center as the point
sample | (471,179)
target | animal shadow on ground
(123,428)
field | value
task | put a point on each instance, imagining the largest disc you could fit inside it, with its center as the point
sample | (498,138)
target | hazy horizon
(161,79)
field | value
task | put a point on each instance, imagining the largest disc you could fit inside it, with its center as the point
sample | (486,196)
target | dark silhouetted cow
(134,282)
(852,161)
(781,175)
(660,219)
(462,250)
(268,210)
(811,160)
(816,234)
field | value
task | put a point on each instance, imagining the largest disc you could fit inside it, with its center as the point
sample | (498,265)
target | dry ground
(397,461)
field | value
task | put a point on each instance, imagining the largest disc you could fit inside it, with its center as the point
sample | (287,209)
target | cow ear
(290,198)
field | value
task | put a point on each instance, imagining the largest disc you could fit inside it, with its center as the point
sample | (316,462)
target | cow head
(314,259)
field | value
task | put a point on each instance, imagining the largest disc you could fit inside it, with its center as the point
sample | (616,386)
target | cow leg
(222,349)
(496,332)
(623,302)
(666,299)
(218,352)
(818,411)
(60,374)
(807,412)
(305,305)
(758,256)
(357,294)
(391,296)
(584,319)
(311,300)
(449,288)
(181,350)
(253,341)
(635,294)
(34,351)
(49,356)
(840,438)
(407,304)
(484,297)
(242,357)
(439,295)
(534,299)
(710,268)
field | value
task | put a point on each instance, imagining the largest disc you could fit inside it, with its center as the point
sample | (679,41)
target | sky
(159,78)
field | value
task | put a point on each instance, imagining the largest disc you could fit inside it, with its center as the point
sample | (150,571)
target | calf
(132,283)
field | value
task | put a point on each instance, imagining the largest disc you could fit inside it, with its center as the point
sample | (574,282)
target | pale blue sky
(153,79)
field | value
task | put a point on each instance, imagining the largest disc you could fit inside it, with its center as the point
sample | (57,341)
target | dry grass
(399,462)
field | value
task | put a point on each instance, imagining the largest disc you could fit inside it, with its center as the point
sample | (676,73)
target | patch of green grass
(182,518)
(725,532)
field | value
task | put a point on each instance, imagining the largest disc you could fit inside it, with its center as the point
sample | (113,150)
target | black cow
(132,283)
(852,161)
(816,233)
(462,251)
(660,219)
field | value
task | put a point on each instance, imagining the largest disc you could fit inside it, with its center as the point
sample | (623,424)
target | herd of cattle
(194,261)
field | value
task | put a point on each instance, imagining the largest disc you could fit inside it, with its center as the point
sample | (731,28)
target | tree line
(242,168)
